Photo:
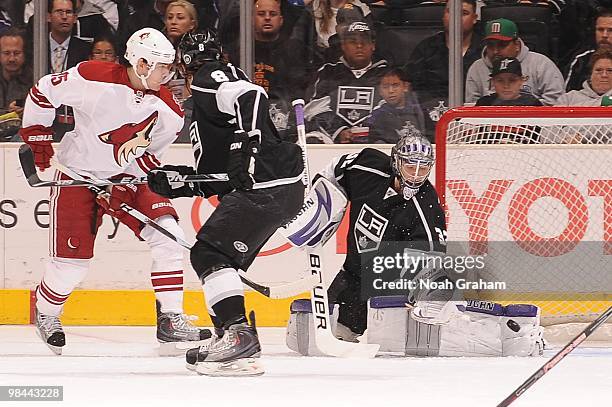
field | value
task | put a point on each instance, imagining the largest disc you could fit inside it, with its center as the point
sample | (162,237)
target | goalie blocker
(469,328)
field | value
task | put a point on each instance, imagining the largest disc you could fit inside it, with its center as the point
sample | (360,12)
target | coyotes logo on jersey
(128,138)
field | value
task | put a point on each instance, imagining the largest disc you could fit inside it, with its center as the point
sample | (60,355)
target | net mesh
(530,190)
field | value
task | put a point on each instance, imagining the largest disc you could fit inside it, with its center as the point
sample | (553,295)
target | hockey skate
(193,355)
(236,353)
(49,329)
(175,333)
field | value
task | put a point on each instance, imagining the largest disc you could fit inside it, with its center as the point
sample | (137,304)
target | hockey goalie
(393,205)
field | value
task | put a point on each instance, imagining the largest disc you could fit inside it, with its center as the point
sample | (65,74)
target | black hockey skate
(193,355)
(234,354)
(49,329)
(174,329)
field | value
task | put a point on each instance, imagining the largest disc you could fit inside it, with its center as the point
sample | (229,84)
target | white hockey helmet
(152,46)
(412,160)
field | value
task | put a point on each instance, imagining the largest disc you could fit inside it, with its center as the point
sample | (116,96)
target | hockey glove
(241,161)
(39,139)
(117,194)
(159,182)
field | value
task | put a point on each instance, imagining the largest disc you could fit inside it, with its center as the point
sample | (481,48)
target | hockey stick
(29,170)
(325,340)
(557,358)
(274,292)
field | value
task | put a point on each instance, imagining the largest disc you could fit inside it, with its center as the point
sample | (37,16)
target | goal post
(529,189)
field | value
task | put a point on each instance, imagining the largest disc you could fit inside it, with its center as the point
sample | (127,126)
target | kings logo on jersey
(369,229)
(127,139)
(355,103)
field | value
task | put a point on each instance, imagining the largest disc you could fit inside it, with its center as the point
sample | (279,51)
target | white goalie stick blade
(326,342)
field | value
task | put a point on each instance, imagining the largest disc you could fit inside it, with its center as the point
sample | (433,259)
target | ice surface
(119,366)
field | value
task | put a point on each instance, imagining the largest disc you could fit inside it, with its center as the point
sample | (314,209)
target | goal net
(529,190)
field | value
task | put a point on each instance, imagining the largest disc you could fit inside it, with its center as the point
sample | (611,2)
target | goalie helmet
(197,48)
(152,46)
(411,159)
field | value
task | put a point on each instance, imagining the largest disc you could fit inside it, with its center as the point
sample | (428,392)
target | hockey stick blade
(552,362)
(26,159)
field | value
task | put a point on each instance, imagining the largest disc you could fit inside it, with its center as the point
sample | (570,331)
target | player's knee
(205,259)
(67,273)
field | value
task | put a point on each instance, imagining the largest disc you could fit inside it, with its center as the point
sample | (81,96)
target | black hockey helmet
(197,48)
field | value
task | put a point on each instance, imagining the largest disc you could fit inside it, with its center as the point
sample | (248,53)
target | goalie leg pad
(300,335)
(521,332)
(478,328)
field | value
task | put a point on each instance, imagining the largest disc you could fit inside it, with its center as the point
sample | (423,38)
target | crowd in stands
(367,69)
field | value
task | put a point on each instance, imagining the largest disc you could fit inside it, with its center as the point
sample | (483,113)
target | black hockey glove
(241,161)
(160,182)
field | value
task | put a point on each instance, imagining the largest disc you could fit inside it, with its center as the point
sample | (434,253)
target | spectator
(15,81)
(428,69)
(137,14)
(507,78)
(327,16)
(597,86)
(399,111)
(90,21)
(579,70)
(281,75)
(104,49)
(65,50)
(180,17)
(544,80)
(345,91)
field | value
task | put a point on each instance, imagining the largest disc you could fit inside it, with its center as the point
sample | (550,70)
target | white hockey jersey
(118,129)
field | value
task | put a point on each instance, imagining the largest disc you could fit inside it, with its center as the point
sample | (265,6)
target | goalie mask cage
(530,190)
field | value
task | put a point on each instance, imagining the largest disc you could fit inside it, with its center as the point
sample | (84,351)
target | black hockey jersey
(378,214)
(343,97)
(225,100)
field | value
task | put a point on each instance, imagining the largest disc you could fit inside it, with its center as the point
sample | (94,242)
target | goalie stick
(275,292)
(29,170)
(325,340)
(573,344)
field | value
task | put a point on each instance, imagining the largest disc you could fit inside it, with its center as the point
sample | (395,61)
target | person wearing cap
(597,87)
(345,92)
(507,78)
(543,78)
(428,64)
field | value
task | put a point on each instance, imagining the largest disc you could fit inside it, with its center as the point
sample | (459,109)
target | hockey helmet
(152,46)
(412,160)
(197,48)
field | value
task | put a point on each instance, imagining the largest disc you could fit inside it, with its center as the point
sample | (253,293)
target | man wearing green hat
(543,78)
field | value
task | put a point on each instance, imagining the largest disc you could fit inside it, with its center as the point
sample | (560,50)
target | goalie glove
(159,182)
(241,161)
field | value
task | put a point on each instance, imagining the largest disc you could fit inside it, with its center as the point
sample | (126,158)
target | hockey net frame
(537,180)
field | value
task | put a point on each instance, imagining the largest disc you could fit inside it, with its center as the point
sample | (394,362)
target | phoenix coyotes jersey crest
(129,138)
